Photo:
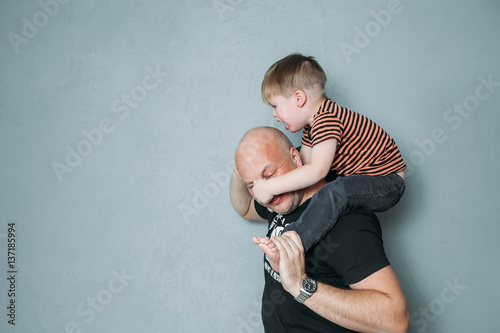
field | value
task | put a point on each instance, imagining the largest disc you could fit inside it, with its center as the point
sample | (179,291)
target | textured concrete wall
(118,123)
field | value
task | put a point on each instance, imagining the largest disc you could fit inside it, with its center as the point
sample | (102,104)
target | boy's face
(289,111)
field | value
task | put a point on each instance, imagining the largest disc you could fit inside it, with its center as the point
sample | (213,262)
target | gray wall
(118,123)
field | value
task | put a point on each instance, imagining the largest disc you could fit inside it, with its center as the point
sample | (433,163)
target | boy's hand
(261,191)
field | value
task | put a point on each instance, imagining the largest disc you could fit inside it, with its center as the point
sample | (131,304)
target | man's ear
(294,153)
(300,97)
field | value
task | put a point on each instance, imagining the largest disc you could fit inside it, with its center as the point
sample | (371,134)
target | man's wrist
(298,285)
(308,287)
(296,291)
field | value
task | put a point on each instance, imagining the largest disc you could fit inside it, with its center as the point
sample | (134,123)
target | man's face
(268,163)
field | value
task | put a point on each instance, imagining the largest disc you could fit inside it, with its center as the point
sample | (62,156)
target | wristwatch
(307,287)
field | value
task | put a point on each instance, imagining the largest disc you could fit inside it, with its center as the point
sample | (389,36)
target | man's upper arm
(252,214)
(361,256)
(360,251)
(384,281)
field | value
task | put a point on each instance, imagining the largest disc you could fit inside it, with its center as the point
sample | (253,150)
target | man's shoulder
(359,215)
(354,222)
(353,248)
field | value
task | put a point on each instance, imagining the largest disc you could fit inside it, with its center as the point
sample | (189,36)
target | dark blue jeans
(378,193)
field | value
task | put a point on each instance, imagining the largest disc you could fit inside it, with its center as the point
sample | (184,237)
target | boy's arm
(322,155)
(241,199)
(305,154)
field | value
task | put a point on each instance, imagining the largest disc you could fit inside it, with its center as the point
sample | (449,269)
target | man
(342,284)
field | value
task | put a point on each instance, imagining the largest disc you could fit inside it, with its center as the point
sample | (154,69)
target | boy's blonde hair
(292,73)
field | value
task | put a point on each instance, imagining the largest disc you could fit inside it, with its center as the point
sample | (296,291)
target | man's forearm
(360,310)
(240,197)
(374,304)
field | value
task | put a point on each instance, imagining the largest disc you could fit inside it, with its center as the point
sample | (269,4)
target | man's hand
(262,191)
(292,261)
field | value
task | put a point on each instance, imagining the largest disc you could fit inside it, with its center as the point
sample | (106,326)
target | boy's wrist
(271,185)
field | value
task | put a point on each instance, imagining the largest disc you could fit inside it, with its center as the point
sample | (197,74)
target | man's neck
(311,190)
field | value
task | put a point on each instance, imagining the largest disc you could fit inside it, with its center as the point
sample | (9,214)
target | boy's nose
(274,114)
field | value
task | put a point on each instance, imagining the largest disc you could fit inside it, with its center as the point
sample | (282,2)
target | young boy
(361,153)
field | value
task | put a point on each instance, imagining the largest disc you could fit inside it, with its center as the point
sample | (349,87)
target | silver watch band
(302,297)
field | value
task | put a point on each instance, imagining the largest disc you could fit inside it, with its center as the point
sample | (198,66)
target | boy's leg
(378,193)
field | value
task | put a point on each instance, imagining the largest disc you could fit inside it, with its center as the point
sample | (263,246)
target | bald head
(263,141)
(264,153)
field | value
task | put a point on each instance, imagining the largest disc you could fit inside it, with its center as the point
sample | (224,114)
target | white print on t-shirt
(277,225)
(275,275)
(277,231)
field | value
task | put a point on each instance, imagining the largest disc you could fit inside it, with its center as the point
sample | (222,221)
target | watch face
(309,285)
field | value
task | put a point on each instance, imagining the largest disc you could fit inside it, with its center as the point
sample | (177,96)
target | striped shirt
(363,147)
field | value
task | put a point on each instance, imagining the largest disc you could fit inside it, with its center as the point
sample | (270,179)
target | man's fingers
(286,244)
(295,238)
(279,245)
(292,266)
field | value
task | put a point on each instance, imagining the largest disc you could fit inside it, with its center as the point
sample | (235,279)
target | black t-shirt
(351,251)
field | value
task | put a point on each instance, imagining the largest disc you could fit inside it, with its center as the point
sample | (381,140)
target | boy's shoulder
(327,115)
(328,108)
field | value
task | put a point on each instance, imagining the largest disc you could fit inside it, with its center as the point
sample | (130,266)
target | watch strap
(305,293)
(302,297)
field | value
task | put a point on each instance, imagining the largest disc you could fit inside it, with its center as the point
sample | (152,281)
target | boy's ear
(301,97)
